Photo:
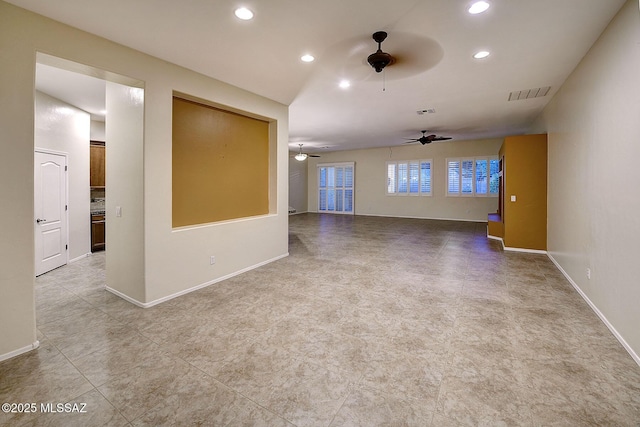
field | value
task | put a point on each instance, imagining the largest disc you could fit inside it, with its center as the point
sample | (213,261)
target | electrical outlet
(589,273)
(212,260)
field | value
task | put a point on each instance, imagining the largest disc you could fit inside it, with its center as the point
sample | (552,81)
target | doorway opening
(76,106)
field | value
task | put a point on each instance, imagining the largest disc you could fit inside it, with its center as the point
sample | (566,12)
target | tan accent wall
(525,177)
(220,164)
(495,226)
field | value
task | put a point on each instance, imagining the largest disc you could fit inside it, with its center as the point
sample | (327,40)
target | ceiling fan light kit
(379,59)
(303,156)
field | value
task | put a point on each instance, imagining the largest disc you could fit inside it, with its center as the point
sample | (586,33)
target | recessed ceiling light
(243,13)
(482,54)
(345,84)
(307,58)
(478,7)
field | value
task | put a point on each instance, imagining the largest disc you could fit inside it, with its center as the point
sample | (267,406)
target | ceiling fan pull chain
(384,80)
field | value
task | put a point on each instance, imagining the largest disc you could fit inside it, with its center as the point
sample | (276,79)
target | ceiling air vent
(538,92)
(427,111)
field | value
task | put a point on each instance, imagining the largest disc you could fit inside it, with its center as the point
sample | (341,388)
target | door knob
(40,220)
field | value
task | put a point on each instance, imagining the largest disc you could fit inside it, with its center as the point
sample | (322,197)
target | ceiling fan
(303,156)
(379,59)
(427,139)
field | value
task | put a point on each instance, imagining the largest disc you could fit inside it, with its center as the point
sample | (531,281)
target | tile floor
(368,322)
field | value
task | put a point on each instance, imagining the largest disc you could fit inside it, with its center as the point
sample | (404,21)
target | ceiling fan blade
(312,155)
(441,138)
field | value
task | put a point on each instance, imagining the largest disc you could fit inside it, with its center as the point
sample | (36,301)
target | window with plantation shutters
(335,188)
(467,176)
(425,177)
(481,176)
(414,179)
(477,176)
(494,177)
(391,178)
(453,177)
(402,178)
(410,177)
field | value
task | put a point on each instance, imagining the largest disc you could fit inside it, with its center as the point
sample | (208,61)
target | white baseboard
(194,288)
(126,297)
(529,251)
(19,351)
(80,257)
(602,317)
(414,217)
(510,249)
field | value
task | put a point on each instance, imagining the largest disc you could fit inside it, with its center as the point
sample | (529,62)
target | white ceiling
(533,44)
(80,90)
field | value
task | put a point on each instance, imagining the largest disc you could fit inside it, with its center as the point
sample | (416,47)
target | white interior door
(50,213)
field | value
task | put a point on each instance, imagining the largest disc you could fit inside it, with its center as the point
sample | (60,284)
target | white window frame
(344,188)
(473,193)
(394,185)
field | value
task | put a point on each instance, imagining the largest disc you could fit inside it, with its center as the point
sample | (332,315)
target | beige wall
(98,131)
(370,181)
(593,204)
(125,191)
(173,262)
(298,184)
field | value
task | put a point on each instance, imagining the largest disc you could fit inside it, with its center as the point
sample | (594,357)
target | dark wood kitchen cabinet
(98,229)
(97,164)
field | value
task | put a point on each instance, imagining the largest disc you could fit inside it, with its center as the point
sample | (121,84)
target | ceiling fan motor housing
(379,59)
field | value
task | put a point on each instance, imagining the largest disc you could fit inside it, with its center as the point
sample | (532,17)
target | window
(478,176)
(391,178)
(411,177)
(335,188)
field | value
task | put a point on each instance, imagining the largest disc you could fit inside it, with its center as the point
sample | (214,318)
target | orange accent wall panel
(220,165)
(495,226)
(525,178)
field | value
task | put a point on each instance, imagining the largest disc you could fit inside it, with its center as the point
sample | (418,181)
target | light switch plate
(118,211)
(513,198)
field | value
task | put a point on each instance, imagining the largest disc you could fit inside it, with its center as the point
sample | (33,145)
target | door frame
(66,198)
